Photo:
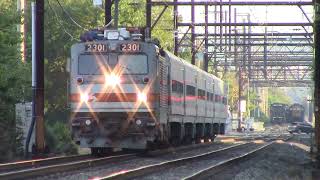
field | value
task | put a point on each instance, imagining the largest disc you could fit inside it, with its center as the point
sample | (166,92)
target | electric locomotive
(128,93)
(278,113)
(296,113)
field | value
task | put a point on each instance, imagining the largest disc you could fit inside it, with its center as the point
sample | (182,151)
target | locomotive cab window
(133,63)
(89,64)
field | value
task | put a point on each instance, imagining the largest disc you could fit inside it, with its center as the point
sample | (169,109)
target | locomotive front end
(113,94)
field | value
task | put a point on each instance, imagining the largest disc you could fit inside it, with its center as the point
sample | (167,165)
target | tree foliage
(15,80)
(276,95)
(233,94)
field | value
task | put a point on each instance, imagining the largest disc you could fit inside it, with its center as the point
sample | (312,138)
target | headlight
(112,80)
(142,97)
(138,122)
(84,97)
(88,122)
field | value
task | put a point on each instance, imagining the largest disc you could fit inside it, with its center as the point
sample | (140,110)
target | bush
(59,140)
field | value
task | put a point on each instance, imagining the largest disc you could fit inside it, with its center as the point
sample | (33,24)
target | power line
(69,16)
(58,20)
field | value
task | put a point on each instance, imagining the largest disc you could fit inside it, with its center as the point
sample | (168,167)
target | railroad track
(35,168)
(43,167)
(206,173)
(14,166)
(249,149)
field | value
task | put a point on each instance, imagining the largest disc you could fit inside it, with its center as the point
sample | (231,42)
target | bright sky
(259,14)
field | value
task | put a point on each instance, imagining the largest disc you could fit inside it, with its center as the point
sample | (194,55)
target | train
(278,113)
(127,92)
(283,113)
(296,113)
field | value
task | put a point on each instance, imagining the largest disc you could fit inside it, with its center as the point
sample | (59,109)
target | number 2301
(131,47)
(96,47)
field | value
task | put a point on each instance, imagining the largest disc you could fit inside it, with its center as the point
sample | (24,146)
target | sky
(259,14)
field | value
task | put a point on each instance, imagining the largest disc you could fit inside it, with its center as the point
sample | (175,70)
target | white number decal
(130,47)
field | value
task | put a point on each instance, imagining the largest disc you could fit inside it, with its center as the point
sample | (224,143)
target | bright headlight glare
(84,97)
(88,122)
(112,80)
(138,122)
(142,97)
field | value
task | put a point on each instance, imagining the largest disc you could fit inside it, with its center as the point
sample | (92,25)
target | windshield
(133,64)
(92,64)
(130,64)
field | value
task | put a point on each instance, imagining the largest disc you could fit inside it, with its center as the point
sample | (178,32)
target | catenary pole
(31,127)
(39,86)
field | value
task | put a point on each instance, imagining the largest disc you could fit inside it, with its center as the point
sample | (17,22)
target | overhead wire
(59,21)
(70,17)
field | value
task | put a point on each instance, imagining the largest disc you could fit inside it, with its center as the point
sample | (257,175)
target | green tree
(276,95)
(15,79)
(233,95)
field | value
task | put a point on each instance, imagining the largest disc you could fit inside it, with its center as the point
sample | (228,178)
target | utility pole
(193,37)
(316,31)
(39,86)
(31,127)
(107,11)
(148,19)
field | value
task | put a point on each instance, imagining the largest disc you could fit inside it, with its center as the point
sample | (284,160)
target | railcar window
(177,87)
(217,98)
(133,63)
(201,94)
(91,65)
(191,91)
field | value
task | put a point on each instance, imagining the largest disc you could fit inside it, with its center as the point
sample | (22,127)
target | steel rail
(138,172)
(34,168)
(224,164)
(40,162)
(206,173)
(141,171)
(45,170)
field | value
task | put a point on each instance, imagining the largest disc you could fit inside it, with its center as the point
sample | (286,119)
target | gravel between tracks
(281,161)
(104,170)
(188,169)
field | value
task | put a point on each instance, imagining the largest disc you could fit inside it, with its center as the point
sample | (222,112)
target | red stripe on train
(113,97)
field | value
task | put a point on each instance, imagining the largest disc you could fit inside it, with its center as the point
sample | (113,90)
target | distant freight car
(278,113)
(296,113)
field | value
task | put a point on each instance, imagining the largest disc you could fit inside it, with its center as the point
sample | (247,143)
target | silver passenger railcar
(128,93)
